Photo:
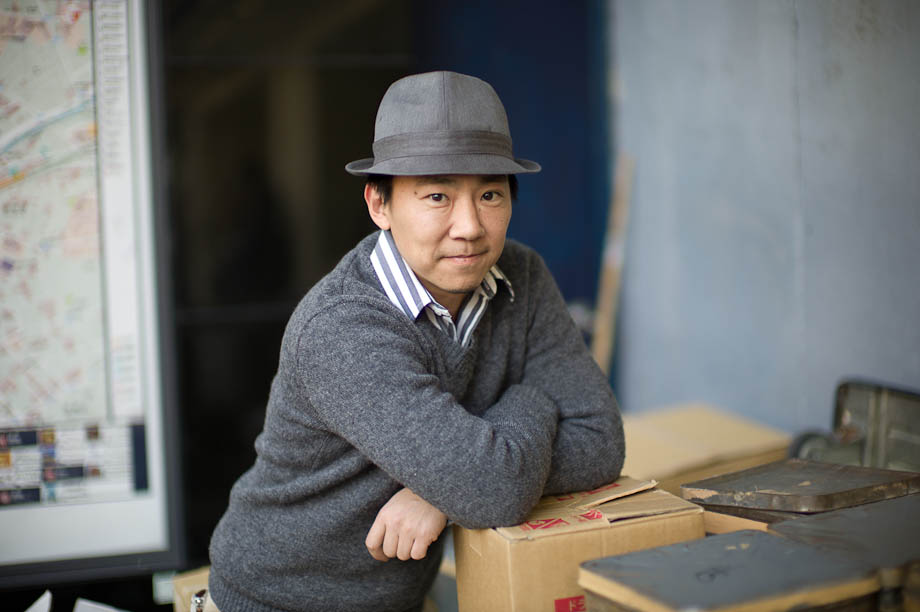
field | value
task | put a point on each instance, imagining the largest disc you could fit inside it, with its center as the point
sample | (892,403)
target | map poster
(78,381)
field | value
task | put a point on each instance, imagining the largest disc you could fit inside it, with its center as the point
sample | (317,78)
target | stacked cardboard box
(534,565)
(686,442)
(187,584)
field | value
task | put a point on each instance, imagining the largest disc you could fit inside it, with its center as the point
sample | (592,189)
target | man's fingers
(404,550)
(419,548)
(390,542)
(404,528)
(374,540)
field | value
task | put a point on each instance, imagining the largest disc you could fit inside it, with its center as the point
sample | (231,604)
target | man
(434,375)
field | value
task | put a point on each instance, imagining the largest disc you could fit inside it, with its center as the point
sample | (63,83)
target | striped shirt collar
(408,294)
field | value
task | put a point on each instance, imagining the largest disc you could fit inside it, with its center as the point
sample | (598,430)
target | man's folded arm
(589,446)
(375,391)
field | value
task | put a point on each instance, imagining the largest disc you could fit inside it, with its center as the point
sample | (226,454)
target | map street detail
(62,440)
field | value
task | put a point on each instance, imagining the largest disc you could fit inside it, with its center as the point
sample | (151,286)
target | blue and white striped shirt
(409,295)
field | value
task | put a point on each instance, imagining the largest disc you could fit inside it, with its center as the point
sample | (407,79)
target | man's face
(449,229)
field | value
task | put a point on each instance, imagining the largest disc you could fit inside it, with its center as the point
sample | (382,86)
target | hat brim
(427,165)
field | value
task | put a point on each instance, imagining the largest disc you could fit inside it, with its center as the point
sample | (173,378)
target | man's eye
(491,196)
(437,197)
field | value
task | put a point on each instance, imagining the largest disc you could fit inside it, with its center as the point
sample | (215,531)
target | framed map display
(86,440)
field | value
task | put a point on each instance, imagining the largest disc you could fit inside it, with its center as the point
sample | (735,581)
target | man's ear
(376,207)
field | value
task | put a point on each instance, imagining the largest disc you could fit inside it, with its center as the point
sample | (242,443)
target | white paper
(42,604)
(85,605)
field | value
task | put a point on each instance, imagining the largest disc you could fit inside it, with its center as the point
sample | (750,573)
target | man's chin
(462,289)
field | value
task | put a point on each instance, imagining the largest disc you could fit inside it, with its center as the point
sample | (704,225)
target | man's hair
(383,183)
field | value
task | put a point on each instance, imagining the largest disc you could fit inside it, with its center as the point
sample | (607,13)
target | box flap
(623,486)
(648,503)
(550,522)
(578,511)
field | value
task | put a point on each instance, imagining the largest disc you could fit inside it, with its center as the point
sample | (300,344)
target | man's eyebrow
(438,179)
(434,180)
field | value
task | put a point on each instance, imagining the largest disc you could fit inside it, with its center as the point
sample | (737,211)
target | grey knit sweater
(367,401)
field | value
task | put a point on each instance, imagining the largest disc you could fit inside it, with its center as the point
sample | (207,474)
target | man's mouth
(464,258)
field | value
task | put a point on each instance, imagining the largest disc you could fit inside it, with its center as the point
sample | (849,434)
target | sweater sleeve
(367,376)
(589,447)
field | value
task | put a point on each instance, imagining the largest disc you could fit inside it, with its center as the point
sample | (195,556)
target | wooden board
(885,533)
(797,485)
(744,570)
(608,285)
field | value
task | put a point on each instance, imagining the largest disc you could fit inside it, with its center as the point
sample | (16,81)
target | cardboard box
(688,442)
(187,584)
(534,566)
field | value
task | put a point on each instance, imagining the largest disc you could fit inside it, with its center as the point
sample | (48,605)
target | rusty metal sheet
(797,485)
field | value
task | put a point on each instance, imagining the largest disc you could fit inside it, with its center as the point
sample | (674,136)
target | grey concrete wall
(774,235)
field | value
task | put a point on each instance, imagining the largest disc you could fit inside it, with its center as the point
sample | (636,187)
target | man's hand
(405,527)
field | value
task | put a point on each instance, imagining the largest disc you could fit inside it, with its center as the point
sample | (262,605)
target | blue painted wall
(774,236)
(546,61)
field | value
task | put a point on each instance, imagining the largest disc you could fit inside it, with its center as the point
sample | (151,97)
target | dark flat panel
(886,533)
(802,486)
(729,570)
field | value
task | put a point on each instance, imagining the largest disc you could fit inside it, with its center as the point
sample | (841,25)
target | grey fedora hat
(441,123)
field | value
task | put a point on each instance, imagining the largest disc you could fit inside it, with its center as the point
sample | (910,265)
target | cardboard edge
(642,486)
(618,593)
(836,592)
(469,542)
(601,525)
(656,517)
(716,523)
(508,553)
(670,503)
(186,584)
(830,593)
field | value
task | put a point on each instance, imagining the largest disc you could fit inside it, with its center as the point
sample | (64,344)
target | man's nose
(465,220)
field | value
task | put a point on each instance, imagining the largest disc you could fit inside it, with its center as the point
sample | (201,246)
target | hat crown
(440,102)
(441,123)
